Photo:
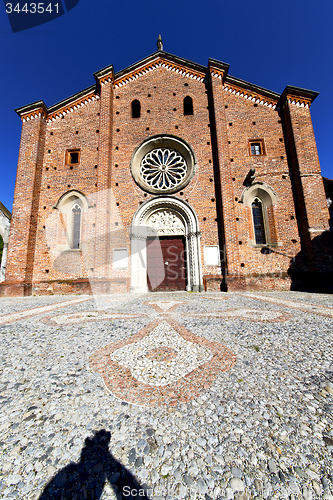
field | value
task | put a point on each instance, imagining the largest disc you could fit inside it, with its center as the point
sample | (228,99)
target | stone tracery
(163,168)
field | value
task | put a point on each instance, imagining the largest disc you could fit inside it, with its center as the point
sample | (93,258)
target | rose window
(163,169)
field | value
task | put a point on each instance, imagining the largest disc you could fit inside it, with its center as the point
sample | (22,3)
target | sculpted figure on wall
(166,222)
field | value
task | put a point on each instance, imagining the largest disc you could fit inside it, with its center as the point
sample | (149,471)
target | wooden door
(166,263)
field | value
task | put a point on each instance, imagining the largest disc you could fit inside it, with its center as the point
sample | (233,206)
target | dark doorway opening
(166,263)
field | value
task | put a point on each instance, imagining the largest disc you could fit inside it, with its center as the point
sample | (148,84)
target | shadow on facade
(86,479)
(312,268)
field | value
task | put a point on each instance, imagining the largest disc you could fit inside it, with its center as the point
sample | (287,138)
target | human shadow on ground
(86,479)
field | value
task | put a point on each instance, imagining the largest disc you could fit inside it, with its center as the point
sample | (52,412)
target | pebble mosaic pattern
(78,318)
(10,318)
(131,376)
(251,314)
(262,429)
(162,354)
(324,311)
(164,306)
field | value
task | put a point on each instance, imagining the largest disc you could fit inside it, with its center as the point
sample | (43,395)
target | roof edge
(307,94)
(5,211)
(163,55)
(28,108)
(251,86)
(103,72)
(219,65)
(71,98)
(34,106)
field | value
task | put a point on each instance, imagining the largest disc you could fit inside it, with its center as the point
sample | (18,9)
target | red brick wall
(24,222)
(239,120)
(219,133)
(165,116)
(310,200)
(77,130)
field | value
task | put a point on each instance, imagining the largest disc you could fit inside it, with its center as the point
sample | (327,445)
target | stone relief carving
(166,222)
(167,216)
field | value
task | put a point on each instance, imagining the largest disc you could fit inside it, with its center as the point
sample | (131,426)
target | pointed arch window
(136,109)
(258,222)
(188,105)
(76,225)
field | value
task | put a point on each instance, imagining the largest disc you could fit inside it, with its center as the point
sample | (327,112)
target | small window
(72,156)
(188,105)
(258,222)
(256,148)
(76,225)
(136,109)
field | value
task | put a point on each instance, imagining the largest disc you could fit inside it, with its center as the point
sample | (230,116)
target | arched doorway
(165,247)
(5,217)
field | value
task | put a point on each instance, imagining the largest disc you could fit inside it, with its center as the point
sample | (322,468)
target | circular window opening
(163,164)
(163,169)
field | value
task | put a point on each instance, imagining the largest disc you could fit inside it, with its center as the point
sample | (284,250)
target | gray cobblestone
(256,431)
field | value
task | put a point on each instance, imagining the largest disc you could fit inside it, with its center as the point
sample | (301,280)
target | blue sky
(268,43)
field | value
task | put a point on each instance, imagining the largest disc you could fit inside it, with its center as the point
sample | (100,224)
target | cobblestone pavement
(167,396)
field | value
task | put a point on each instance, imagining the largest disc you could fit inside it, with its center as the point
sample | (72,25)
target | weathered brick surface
(219,133)
(24,222)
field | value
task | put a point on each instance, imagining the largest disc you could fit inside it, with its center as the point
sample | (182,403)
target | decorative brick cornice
(32,115)
(104,75)
(159,62)
(217,68)
(72,103)
(254,93)
(298,96)
(300,103)
(31,111)
(69,106)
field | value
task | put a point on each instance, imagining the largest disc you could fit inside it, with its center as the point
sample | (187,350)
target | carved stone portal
(166,223)
(165,216)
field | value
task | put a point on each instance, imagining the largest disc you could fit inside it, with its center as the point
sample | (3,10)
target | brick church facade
(167,175)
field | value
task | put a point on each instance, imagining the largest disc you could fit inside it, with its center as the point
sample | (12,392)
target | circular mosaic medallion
(163,168)
(162,354)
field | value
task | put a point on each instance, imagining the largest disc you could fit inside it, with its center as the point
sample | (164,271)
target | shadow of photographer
(86,479)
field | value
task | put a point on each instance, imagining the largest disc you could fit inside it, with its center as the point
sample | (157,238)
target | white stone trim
(140,231)
(65,205)
(298,103)
(246,95)
(151,67)
(267,197)
(163,141)
(73,107)
(4,232)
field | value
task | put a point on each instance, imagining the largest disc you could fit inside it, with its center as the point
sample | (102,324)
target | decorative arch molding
(165,216)
(76,195)
(259,190)
(267,199)
(68,205)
